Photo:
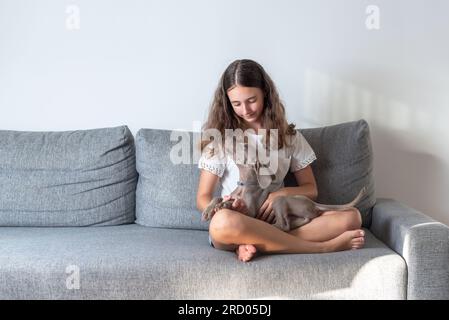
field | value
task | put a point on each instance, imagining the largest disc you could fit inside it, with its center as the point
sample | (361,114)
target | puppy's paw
(205,215)
(210,210)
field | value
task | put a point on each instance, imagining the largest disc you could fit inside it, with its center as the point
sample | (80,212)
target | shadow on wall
(417,179)
(404,145)
(329,99)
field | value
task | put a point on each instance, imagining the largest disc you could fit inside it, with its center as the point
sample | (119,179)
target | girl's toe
(250,248)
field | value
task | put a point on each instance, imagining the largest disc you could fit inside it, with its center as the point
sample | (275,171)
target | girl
(246,98)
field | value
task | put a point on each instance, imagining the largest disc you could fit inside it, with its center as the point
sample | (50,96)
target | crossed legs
(332,231)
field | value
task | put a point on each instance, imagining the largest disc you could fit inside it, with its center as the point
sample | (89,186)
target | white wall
(156,64)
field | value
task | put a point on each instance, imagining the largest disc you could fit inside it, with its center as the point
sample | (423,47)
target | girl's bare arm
(206,187)
(306,185)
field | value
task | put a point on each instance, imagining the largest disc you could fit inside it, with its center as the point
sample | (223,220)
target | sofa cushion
(67,178)
(136,262)
(166,191)
(344,165)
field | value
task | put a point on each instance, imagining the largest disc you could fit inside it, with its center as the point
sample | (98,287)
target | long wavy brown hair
(247,73)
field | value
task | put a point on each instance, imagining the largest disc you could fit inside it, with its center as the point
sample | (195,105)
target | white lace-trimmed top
(297,157)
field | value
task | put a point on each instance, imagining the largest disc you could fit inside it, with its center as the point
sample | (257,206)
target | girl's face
(248,103)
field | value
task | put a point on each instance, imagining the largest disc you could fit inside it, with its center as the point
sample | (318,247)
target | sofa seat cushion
(136,262)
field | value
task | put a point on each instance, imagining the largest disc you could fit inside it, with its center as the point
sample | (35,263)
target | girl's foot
(352,239)
(245,252)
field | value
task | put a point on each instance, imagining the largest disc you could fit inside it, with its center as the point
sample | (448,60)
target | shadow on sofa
(93,214)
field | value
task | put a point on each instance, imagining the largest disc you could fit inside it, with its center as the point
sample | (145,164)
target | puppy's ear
(264,180)
(235,149)
(257,167)
(229,150)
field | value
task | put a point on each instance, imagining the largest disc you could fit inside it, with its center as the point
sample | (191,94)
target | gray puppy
(290,211)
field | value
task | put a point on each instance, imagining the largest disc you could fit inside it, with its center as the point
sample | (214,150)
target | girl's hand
(266,210)
(238,205)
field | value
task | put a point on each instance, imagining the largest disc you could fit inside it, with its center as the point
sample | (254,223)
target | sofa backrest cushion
(67,178)
(166,192)
(344,165)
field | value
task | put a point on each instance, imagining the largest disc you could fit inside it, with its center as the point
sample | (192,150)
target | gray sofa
(99,214)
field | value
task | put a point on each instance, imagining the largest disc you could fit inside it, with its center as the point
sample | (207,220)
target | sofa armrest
(421,241)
